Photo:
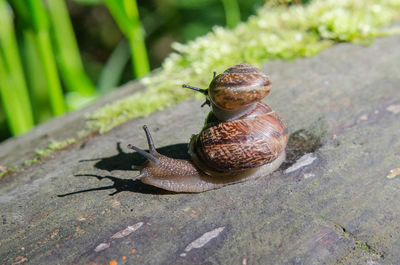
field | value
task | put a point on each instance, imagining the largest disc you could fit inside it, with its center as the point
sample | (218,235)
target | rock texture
(335,205)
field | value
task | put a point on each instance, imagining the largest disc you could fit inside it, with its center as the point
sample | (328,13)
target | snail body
(242,139)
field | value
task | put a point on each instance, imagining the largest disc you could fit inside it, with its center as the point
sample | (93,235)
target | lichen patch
(363,117)
(127,231)
(102,247)
(203,240)
(303,161)
(308,175)
(395,109)
(393,173)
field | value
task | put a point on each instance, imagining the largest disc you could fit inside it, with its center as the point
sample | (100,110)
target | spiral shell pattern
(253,140)
(238,86)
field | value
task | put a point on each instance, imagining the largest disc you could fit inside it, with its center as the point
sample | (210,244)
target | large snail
(242,138)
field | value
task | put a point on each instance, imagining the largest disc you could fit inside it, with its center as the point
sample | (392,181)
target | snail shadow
(128,160)
(119,185)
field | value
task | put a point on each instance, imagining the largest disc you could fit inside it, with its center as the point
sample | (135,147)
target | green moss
(53,146)
(57,145)
(7,170)
(273,33)
(362,245)
(366,247)
(31,161)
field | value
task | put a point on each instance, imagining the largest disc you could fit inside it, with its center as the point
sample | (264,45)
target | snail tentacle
(150,142)
(148,156)
(203,91)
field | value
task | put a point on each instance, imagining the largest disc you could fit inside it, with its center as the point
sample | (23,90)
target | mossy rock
(79,205)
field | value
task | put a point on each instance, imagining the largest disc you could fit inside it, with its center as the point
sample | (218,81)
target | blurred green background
(57,55)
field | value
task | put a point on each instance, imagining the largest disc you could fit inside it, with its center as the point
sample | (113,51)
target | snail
(242,139)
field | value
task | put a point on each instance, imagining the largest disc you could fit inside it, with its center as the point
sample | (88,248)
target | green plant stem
(45,51)
(139,56)
(232,12)
(126,15)
(49,65)
(112,70)
(14,114)
(70,62)
(136,40)
(13,87)
(35,77)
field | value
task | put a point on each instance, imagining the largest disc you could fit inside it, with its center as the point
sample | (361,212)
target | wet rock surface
(335,201)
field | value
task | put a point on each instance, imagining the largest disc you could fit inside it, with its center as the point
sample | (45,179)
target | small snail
(242,138)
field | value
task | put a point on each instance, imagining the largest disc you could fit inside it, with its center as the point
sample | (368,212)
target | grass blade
(136,40)
(35,77)
(45,51)
(13,89)
(51,74)
(126,15)
(232,12)
(70,62)
(112,70)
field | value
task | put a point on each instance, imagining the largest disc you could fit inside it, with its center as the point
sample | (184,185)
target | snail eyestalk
(214,74)
(150,157)
(150,142)
(203,91)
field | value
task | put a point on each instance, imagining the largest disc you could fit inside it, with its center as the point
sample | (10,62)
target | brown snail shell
(242,139)
(248,142)
(239,86)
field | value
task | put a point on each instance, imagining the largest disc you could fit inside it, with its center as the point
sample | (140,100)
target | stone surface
(341,208)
